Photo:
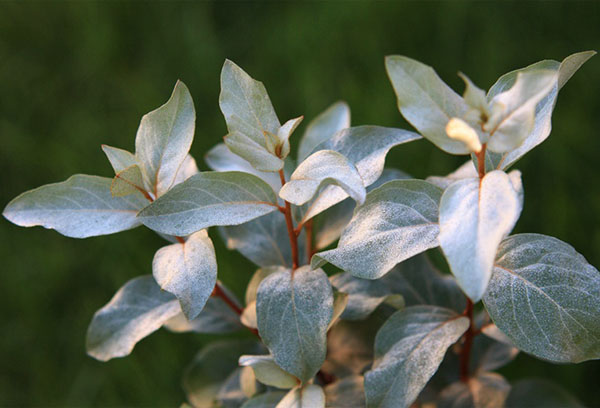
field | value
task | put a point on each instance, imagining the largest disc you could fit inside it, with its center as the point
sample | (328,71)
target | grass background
(74,75)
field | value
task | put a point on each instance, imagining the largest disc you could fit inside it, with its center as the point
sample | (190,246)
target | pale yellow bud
(458,129)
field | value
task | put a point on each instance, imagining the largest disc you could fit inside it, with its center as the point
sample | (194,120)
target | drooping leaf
(348,392)
(128,181)
(332,120)
(264,241)
(487,390)
(207,375)
(250,118)
(164,139)
(329,224)
(543,113)
(208,199)
(139,308)
(188,270)
(409,347)
(475,215)
(80,207)
(269,373)
(216,317)
(323,168)
(538,393)
(220,158)
(119,159)
(544,296)
(267,400)
(365,147)
(425,101)
(397,221)
(512,115)
(311,396)
(293,315)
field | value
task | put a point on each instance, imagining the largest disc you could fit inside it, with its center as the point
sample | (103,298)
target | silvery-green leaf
(397,221)
(213,367)
(208,199)
(323,168)
(487,390)
(284,133)
(269,373)
(128,181)
(264,241)
(309,396)
(474,217)
(267,400)
(467,170)
(340,301)
(329,224)
(420,283)
(80,207)
(257,278)
(544,109)
(188,270)
(119,159)
(324,126)
(474,96)
(539,393)
(512,116)
(425,101)
(220,158)
(164,139)
(365,147)
(256,154)
(544,296)
(293,315)
(216,317)
(249,114)
(139,308)
(348,392)
(364,295)
(350,347)
(187,169)
(409,347)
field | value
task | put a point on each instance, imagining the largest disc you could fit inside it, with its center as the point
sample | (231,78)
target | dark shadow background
(75,75)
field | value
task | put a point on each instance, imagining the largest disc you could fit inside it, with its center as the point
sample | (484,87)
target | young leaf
(543,113)
(323,127)
(269,373)
(293,315)
(208,199)
(325,167)
(397,221)
(137,309)
(474,217)
(210,375)
(513,111)
(128,181)
(284,133)
(487,390)
(264,241)
(119,159)
(544,296)
(188,270)
(467,170)
(348,392)
(309,396)
(250,118)
(409,347)
(164,139)
(537,393)
(365,147)
(220,158)
(80,207)
(215,318)
(425,101)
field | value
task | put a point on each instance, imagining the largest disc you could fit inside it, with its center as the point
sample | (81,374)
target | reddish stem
(290,228)
(481,161)
(465,354)
(219,292)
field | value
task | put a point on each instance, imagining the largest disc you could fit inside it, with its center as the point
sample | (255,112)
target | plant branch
(481,161)
(290,228)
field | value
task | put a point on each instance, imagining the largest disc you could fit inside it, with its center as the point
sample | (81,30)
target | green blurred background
(75,75)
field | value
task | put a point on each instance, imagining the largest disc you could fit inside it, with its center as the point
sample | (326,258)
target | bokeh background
(74,75)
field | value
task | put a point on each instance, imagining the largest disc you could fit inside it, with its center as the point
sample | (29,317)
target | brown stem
(180,240)
(290,228)
(465,354)
(219,292)
(481,161)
